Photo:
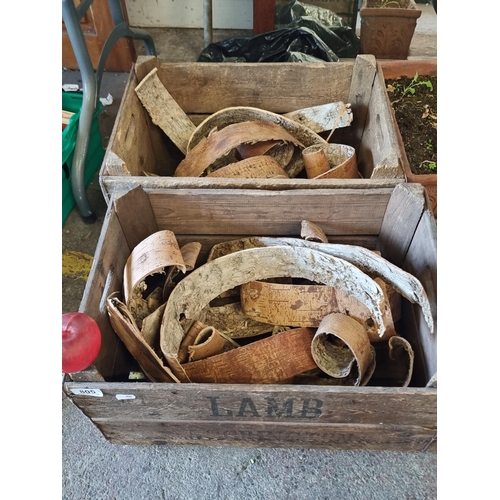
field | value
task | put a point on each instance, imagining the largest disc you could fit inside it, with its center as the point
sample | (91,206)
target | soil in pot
(414,101)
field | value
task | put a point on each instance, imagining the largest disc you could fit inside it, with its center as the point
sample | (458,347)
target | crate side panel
(105,277)
(139,143)
(261,403)
(421,261)
(278,87)
(379,154)
(319,436)
(270,213)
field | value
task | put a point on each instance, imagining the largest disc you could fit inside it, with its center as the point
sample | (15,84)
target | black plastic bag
(273,46)
(304,33)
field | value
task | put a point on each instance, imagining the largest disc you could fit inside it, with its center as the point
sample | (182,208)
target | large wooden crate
(139,150)
(395,220)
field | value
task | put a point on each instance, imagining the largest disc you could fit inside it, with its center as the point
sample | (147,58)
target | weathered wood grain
(348,212)
(282,403)
(136,216)
(270,86)
(343,437)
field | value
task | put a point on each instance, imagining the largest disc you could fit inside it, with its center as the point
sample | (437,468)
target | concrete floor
(95,469)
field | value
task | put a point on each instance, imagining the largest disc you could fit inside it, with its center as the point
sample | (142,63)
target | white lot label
(125,396)
(97,393)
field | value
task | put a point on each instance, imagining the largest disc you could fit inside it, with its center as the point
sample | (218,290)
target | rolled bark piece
(315,161)
(366,260)
(340,345)
(312,232)
(340,159)
(307,305)
(151,256)
(222,142)
(196,290)
(207,343)
(256,167)
(394,363)
(267,361)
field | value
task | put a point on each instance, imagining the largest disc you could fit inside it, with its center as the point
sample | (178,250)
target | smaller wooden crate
(395,220)
(139,150)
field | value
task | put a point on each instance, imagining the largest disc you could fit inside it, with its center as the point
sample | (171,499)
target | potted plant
(412,91)
(387,27)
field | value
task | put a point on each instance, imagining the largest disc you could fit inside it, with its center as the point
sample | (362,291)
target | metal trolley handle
(91,84)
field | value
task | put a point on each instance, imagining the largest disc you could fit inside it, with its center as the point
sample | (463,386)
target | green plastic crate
(72,101)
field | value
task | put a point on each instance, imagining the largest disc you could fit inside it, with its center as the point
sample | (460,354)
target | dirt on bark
(414,101)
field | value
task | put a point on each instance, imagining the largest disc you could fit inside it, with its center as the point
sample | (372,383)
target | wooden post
(207,22)
(263,16)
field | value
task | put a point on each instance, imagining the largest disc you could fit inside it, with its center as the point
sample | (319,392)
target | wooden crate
(395,220)
(137,147)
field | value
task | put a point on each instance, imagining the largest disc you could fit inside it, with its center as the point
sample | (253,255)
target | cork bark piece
(330,161)
(164,110)
(366,260)
(153,255)
(341,346)
(238,114)
(267,361)
(205,283)
(220,143)
(256,167)
(307,305)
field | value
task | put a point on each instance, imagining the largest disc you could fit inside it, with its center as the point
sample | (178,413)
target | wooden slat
(384,160)
(364,71)
(347,437)
(136,216)
(277,87)
(401,219)
(262,403)
(106,276)
(421,261)
(214,211)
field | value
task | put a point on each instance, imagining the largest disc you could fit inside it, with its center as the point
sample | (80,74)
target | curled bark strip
(207,343)
(340,345)
(366,260)
(125,327)
(330,161)
(394,363)
(315,161)
(151,256)
(205,283)
(256,167)
(312,232)
(307,305)
(238,114)
(267,361)
(222,142)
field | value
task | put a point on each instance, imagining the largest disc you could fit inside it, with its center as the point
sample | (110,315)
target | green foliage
(431,165)
(410,88)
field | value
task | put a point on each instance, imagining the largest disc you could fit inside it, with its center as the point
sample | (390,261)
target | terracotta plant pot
(386,32)
(396,69)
